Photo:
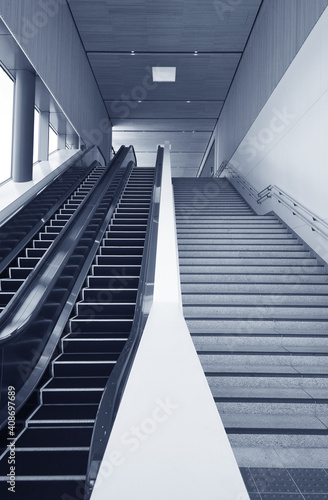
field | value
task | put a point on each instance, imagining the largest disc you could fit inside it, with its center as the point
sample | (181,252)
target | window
(36,135)
(53,143)
(6,121)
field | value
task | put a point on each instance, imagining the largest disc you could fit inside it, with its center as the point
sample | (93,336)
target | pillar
(23,126)
(61,141)
(43,136)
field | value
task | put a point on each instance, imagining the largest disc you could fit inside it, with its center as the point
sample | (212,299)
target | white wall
(287,143)
(279,32)
(47,35)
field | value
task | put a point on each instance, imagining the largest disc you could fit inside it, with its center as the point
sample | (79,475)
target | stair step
(259,423)
(261,312)
(241,254)
(238,278)
(253,299)
(246,342)
(252,269)
(256,327)
(247,261)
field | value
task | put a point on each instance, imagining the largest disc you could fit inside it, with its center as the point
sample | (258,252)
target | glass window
(6,121)
(36,135)
(52,140)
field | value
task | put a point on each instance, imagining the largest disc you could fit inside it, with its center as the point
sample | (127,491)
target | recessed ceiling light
(164,73)
(139,101)
(188,102)
(196,53)
(132,53)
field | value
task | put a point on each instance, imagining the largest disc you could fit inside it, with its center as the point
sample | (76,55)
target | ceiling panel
(184,25)
(126,77)
(156,124)
(203,39)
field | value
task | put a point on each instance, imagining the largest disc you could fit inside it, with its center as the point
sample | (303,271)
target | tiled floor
(286,484)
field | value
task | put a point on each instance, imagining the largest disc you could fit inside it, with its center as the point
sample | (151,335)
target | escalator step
(105,309)
(113,326)
(55,437)
(92,345)
(109,295)
(42,489)
(53,414)
(69,396)
(48,463)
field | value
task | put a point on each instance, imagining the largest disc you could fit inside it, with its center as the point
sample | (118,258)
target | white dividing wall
(168,441)
(47,35)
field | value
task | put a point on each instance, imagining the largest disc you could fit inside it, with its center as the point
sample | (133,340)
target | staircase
(255,299)
(52,450)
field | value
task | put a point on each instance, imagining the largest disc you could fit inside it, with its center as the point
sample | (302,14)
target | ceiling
(164,33)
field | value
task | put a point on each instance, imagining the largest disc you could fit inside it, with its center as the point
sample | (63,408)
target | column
(23,126)
(61,141)
(43,136)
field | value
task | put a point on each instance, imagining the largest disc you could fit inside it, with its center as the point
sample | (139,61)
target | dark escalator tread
(54,413)
(55,437)
(90,345)
(76,382)
(45,490)
(48,463)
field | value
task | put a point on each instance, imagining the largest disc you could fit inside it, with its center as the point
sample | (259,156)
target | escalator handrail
(35,195)
(22,309)
(59,323)
(115,386)
(45,217)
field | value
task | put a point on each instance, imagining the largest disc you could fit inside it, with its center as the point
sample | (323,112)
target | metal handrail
(272,191)
(115,386)
(220,169)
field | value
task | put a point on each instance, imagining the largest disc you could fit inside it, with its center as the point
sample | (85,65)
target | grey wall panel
(148,141)
(164,109)
(208,168)
(47,35)
(163,124)
(281,29)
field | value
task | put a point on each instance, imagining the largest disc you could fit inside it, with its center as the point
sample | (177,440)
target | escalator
(18,229)
(14,275)
(51,451)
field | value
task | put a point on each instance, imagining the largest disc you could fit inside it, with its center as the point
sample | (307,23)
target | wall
(279,32)
(286,144)
(47,35)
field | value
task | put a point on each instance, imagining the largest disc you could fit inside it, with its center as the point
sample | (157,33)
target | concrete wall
(280,30)
(287,143)
(47,35)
